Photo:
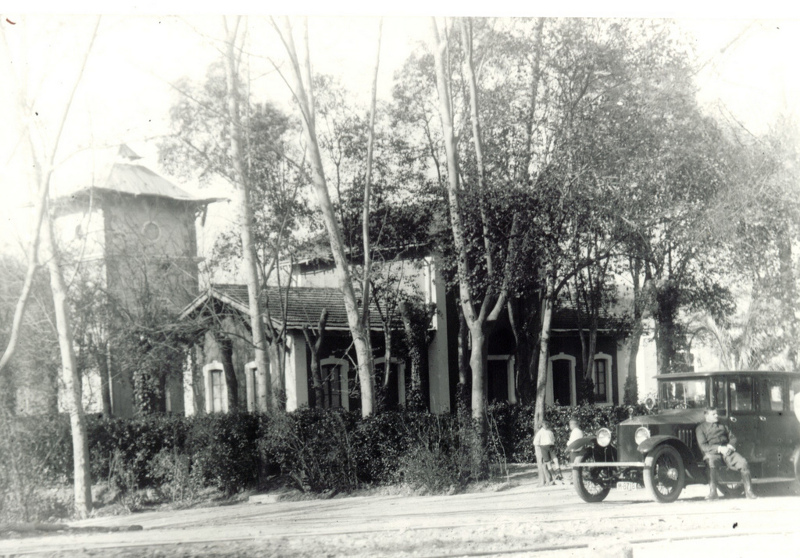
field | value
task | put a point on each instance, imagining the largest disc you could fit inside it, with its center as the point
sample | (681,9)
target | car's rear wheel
(586,482)
(664,474)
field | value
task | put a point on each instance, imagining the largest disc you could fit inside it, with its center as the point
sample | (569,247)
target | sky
(749,70)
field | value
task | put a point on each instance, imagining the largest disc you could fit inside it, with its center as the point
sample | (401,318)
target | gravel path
(517,521)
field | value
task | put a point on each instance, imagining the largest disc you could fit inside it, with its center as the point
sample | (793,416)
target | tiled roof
(303,306)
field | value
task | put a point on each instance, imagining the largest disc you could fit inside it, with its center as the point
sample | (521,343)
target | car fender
(654,441)
(582,443)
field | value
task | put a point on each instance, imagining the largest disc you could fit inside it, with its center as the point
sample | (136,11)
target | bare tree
(314,341)
(266,398)
(43,155)
(303,92)
(365,288)
(479,316)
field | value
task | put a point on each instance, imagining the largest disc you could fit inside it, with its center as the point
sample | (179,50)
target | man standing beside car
(718,444)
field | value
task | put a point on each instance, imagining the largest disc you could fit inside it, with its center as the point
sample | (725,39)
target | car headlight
(603,437)
(641,435)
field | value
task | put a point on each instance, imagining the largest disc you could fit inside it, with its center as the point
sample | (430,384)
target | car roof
(713,373)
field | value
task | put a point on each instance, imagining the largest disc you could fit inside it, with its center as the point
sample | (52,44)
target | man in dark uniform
(718,443)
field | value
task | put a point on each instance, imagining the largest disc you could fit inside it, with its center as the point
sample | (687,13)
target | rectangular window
(332,385)
(683,394)
(216,391)
(600,379)
(771,396)
(719,394)
(741,393)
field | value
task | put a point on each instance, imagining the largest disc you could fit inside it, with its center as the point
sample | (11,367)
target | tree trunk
(631,383)
(316,381)
(71,376)
(474,322)
(277,363)
(544,348)
(477,362)
(464,373)
(316,377)
(245,219)
(415,335)
(226,351)
(100,355)
(365,286)
(528,312)
(387,357)
(314,343)
(358,329)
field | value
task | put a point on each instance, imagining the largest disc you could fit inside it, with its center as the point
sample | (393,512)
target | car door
(778,427)
(743,419)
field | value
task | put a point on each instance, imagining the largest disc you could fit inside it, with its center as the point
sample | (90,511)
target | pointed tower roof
(116,172)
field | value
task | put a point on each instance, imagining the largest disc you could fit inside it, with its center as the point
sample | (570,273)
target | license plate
(629,486)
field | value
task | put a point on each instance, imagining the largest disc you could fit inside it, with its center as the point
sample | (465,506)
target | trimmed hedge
(314,449)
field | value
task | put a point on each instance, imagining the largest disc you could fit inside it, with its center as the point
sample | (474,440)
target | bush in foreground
(314,450)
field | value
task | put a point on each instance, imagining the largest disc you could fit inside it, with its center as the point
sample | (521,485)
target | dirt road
(517,521)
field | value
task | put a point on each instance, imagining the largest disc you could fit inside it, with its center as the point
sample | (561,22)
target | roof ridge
(273,287)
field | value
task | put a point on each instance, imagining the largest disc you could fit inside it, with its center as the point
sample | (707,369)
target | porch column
(296,371)
(188,383)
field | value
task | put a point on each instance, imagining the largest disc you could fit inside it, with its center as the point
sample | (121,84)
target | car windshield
(683,394)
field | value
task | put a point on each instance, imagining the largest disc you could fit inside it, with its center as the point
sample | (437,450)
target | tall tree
(268,399)
(479,316)
(43,152)
(202,145)
(303,92)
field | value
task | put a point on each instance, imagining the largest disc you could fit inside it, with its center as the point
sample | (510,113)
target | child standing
(543,441)
(575,433)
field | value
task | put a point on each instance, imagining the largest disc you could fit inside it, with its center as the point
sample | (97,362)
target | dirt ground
(515,518)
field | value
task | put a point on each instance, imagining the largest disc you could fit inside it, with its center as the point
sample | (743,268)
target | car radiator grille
(686,435)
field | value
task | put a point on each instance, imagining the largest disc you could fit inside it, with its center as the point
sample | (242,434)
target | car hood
(672,416)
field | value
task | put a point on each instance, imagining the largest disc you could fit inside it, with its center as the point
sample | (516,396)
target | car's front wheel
(587,485)
(664,474)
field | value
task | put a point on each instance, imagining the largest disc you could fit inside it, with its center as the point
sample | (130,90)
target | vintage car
(660,451)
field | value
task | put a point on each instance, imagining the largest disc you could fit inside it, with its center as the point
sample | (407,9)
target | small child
(545,440)
(575,433)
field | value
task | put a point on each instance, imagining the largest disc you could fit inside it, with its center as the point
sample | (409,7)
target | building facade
(131,234)
(226,307)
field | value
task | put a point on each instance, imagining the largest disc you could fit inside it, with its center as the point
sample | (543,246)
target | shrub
(121,450)
(48,441)
(317,450)
(313,447)
(379,442)
(174,475)
(433,456)
(225,450)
